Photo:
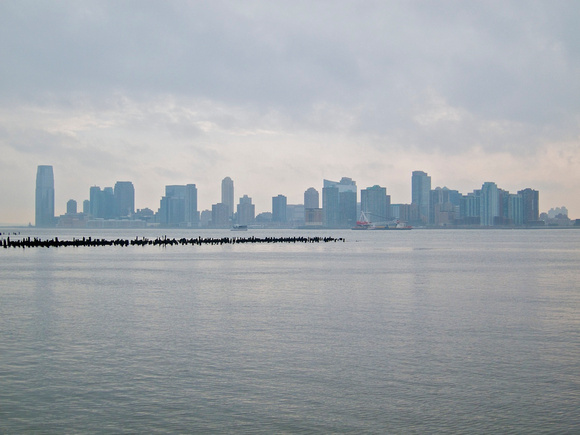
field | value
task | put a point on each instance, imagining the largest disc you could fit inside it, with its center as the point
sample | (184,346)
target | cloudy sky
(279,95)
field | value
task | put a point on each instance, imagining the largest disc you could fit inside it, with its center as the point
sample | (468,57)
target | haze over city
(281,95)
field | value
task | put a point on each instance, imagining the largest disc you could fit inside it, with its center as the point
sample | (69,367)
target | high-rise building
(246,211)
(444,205)
(191,215)
(339,203)
(228,195)
(220,215)
(470,208)
(279,208)
(375,203)
(420,194)
(489,208)
(172,206)
(312,210)
(44,203)
(124,199)
(95,202)
(71,207)
(516,209)
(86,206)
(311,198)
(531,205)
(330,206)
(109,202)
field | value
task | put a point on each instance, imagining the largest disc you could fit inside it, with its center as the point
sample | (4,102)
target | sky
(279,95)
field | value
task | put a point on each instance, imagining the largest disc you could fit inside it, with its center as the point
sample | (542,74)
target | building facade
(228,195)
(279,209)
(44,197)
(420,195)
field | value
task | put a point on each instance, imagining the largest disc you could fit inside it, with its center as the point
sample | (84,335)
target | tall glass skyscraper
(44,216)
(228,194)
(124,199)
(420,194)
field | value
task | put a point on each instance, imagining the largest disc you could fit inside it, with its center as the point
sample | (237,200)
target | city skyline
(489,206)
(270,93)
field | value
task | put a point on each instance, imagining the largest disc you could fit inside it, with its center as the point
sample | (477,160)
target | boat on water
(239,228)
(365,224)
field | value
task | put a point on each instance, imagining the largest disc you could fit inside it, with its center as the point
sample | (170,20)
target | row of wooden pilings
(29,242)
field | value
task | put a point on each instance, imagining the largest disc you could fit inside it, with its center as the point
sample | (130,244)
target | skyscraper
(420,192)
(246,211)
(228,195)
(279,208)
(312,210)
(172,206)
(489,208)
(311,198)
(124,199)
(71,207)
(44,213)
(531,200)
(339,203)
(375,203)
(191,213)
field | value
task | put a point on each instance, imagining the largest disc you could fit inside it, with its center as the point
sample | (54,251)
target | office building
(220,216)
(246,211)
(71,207)
(489,208)
(172,206)
(191,215)
(339,203)
(375,203)
(124,194)
(311,198)
(279,208)
(228,195)
(44,198)
(531,205)
(420,195)
(312,210)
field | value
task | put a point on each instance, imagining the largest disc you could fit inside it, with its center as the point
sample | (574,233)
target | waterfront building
(339,203)
(444,206)
(330,208)
(220,216)
(228,195)
(246,211)
(44,197)
(96,208)
(86,206)
(420,195)
(295,215)
(312,210)
(172,206)
(71,207)
(191,215)
(376,204)
(531,205)
(124,194)
(489,200)
(279,209)
(311,198)
(205,218)
(515,209)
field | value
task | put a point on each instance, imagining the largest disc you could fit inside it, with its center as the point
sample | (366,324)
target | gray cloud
(98,80)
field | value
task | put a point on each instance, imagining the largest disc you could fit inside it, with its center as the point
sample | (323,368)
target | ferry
(237,227)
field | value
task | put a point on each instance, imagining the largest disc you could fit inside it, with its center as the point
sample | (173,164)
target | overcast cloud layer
(279,95)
